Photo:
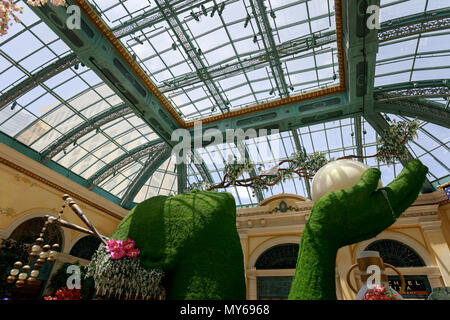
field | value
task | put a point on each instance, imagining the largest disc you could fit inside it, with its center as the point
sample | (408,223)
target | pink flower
(114,245)
(117,253)
(129,244)
(119,248)
(132,253)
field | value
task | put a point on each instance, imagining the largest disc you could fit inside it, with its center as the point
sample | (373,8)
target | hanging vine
(391,148)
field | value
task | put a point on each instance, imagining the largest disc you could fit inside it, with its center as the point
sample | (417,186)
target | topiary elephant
(193,236)
(348,216)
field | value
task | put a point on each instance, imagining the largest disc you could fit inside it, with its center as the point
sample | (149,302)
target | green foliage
(201,185)
(193,238)
(392,146)
(345,217)
(236,169)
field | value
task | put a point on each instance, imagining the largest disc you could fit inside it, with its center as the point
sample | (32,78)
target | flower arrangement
(65,294)
(380,292)
(8,11)
(119,249)
(120,275)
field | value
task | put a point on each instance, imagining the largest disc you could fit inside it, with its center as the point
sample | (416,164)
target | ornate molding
(283,207)
(427,91)
(58,187)
(123,52)
(431,225)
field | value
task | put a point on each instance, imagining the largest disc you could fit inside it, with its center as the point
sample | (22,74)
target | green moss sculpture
(345,217)
(193,238)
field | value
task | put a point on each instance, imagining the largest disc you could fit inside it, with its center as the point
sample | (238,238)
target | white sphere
(337,175)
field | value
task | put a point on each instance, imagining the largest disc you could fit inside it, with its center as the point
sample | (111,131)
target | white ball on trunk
(336,175)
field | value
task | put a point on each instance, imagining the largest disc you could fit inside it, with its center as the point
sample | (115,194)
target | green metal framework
(78,111)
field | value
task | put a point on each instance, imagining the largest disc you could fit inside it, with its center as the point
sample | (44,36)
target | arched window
(85,247)
(283,256)
(396,253)
(29,231)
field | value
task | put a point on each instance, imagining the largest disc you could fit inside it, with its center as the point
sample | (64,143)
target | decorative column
(244,245)
(343,264)
(252,293)
(437,243)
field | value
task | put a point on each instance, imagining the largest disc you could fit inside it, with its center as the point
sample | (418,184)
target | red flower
(380,293)
(65,294)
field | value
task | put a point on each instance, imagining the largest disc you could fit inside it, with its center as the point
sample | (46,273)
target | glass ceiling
(233,53)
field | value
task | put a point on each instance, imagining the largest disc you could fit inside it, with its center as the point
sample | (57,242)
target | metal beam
(255,60)
(155,160)
(265,31)
(290,116)
(116,67)
(358,137)
(154,16)
(181,177)
(415,24)
(377,121)
(300,149)
(429,111)
(201,168)
(193,53)
(37,78)
(76,133)
(361,50)
(415,89)
(120,162)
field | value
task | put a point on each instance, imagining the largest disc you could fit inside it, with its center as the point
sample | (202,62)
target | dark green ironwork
(265,32)
(134,155)
(155,160)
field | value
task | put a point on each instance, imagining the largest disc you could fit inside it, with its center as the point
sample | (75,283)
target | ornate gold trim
(442,186)
(57,187)
(120,49)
